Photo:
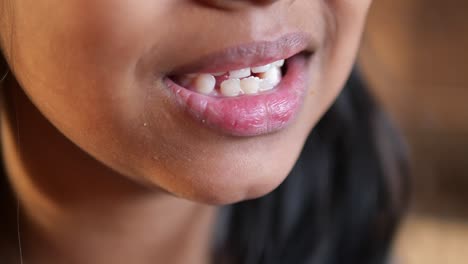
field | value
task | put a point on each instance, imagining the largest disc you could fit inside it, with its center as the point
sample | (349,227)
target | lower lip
(248,115)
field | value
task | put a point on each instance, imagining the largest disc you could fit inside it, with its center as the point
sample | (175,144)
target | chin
(223,184)
(235,189)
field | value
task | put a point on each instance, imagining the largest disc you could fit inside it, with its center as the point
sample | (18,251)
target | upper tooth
(218,73)
(239,73)
(250,85)
(230,87)
(260,69)
(278,63)
(273,76)
(205,83)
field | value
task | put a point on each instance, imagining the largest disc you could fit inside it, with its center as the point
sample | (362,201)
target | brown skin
(97,152)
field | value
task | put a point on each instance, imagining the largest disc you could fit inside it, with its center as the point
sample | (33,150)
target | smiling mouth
(222,92)
(246,81)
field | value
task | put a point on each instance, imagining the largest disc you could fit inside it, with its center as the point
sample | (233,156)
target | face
(152,89)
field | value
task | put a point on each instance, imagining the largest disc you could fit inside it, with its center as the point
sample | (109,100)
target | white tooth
(237,74)
(230,87)
(205,83)
(218,73)
(250,85)
(279,63)
(266,85)
(261,69)
(272,76)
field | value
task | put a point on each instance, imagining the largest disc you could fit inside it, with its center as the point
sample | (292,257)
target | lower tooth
(271,78)
(265,85)
(230,87)
(250,85)
(205,83)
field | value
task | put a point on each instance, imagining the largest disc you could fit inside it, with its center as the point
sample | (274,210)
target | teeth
(205,83)
(265,85)
(261,69)
(240,81)
(271,78)
(230,87)
(250,85)
(278,63)
(239,73)
(218,73)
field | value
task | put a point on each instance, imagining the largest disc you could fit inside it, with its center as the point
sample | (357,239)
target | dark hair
(340,204)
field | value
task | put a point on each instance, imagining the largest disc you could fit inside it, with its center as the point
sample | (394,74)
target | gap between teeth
(238,82)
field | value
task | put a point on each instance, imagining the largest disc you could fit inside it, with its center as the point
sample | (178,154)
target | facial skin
(94,70)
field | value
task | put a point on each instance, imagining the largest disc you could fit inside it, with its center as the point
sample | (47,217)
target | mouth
(249,90)
(236,82)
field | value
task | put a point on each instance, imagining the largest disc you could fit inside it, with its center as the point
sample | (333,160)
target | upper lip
(249,55)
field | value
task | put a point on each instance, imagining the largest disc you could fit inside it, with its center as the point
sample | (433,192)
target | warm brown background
(415,58)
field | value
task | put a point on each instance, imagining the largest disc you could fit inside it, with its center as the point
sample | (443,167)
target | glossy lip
(249,115)
(249,55)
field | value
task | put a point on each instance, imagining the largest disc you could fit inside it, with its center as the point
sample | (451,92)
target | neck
(74,209)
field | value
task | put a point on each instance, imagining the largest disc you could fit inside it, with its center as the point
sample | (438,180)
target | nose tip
(235,4)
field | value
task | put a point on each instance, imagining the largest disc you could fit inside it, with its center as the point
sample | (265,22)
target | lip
(249,55)
(249,115)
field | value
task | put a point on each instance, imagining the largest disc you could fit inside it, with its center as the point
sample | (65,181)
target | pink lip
(249,55)
(251,115)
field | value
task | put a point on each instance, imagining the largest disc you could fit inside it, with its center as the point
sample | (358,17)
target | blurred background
(414,57)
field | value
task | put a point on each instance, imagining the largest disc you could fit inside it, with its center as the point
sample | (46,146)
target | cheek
(346,22)
(79,68)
